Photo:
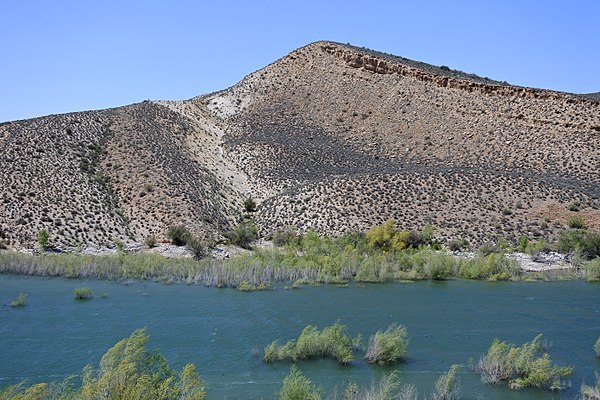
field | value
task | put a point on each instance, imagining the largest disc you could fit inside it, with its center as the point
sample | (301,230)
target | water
(218,329)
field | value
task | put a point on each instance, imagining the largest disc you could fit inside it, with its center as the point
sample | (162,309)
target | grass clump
(591,392)
(521,367)
(447,387)
(83,293)
(388,347)
(333,342)
(298,387)
(20,301)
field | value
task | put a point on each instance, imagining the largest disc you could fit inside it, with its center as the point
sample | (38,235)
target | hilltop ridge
(330,137)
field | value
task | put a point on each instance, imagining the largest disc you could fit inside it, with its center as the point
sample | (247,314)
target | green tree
(43,239)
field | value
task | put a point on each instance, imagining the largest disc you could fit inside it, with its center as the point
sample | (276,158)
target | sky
(62,56)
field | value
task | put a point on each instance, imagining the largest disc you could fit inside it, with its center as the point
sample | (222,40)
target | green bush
(389,387)
(592,270)
(524,366)
(576,222)
(178,234)
(20,301)
(494,266)
(333,342)
(150,241)
(447,387)
(43,239)
(83,293)
(126,371)
(249,205)
(388,347)
(597,347)
(581,241)
(298,387)
(243,234)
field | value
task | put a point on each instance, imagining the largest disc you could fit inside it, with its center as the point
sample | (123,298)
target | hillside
(330,137)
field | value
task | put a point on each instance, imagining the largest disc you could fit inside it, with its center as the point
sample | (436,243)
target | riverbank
(269,266)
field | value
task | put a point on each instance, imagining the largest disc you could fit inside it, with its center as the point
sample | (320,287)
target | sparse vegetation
(388,347)
(243,234)
(20,301)
(591,392)
(521,367)
(82,293)
(150,241)
(576,222)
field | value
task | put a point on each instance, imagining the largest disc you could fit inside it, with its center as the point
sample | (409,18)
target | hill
(330,137)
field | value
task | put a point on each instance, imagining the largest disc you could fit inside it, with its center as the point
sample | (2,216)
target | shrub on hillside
(243,234)
(581,241)
(178,234)
(43,239)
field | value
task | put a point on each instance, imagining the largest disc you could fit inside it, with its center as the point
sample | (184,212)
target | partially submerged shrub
(298,387)
(333,342)
(83,293)
(388,347)
(597,347)
(388,388)
(20,301)
(591,392)
(494,266)
(447,387)
(524,366)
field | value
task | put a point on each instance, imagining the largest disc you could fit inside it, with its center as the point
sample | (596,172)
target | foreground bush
(333,342)
(298,387)
(126,371)
(591,392)
(525,366)
(388,347)
(447,387)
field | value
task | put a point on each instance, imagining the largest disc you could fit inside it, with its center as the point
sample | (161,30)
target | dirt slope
(331,137)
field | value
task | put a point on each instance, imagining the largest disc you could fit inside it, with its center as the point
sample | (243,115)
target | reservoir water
(220,330)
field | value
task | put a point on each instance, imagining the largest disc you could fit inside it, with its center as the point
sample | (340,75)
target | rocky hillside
(330,137)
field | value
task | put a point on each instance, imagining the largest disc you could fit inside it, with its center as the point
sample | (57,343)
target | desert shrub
(488,248)
(298,387)
(447,387)
(537,247)
(591,392)
(458,245)
(20,301)
(388,347)
(43,239)
(178,234)
(198,247)
(333,342)
(386,238)
(522,244)
(249,205)
(286,237)
(243,234)
(82,293)
(575,206)
(493,266)
(524,366)
(581,241)
(576,222)
(592,270)
(597,347)
(150,241)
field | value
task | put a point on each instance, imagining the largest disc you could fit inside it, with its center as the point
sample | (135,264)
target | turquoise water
(219,329)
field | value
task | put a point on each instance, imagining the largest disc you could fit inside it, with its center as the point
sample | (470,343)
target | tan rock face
(330,137)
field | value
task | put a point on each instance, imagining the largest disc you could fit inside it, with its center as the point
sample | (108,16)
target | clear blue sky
(60,56)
